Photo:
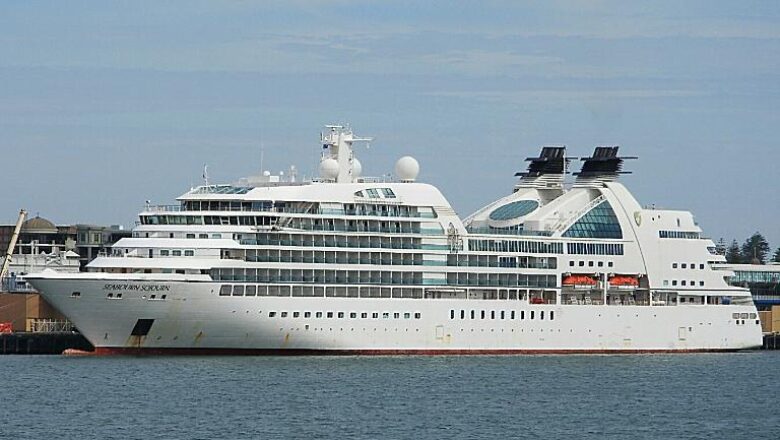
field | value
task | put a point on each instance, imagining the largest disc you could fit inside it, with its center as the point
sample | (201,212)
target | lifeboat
(624,281)
(580,281)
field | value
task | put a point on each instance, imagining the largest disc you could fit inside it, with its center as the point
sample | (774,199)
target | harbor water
(692,396)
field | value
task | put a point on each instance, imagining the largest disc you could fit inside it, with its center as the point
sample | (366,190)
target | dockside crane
(12,243)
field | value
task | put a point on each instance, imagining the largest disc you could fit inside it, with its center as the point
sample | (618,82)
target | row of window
(342,225)
(331,257)
(501,314)
(686,266)
(175,252)
(498,261)
(306,224)
(374,193)
(679,234)
(252,290)
(591,263)
(502,279)
(690,283)
(345,315)
(515,246)
(319,276)
(594,248)
(767,277)
(341,240)
(364,209)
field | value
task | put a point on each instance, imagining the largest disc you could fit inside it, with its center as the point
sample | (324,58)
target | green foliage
(733,253)
(776,258)
(755,249)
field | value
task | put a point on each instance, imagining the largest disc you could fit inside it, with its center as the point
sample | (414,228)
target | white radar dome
(357,168)
(329,169)
(407,168)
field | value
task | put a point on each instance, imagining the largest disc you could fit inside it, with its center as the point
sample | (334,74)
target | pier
(42,343)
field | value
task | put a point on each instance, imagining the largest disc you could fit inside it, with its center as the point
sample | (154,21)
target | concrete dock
(42,343)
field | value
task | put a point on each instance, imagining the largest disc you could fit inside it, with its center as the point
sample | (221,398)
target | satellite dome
(329,169)
(407,168)
(357,168)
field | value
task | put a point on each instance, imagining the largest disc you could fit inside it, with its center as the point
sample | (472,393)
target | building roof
(39,224)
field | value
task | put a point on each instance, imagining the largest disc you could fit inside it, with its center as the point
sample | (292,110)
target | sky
(104,105)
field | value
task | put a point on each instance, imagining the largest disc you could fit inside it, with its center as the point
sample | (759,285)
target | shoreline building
(763,280)
(44,245)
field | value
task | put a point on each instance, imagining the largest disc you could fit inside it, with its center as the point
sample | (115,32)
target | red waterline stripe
(131,351)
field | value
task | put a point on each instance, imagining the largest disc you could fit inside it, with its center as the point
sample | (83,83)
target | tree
(733,254)
(720,247)
(755,249)
(776,258)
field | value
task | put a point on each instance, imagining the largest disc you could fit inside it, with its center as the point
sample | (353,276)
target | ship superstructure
(346,264)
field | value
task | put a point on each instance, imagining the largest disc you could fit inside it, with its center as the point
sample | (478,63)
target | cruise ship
(344,264)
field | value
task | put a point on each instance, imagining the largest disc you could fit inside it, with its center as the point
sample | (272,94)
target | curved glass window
(514,210)
(599,222)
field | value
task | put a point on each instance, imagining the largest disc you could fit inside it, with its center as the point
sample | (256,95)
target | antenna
(262,157)
(206,174)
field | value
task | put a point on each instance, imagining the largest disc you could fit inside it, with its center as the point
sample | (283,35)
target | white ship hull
(193,318)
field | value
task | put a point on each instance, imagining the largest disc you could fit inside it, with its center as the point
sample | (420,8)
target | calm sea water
(712,396)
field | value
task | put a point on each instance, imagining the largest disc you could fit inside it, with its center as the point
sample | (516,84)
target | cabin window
(318,315)
(552,315)
(296,314)
(307,314)
(532,314)
(417,315)
(330,314)
(284,314)
(271,314)
(341,314)
(512,314)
